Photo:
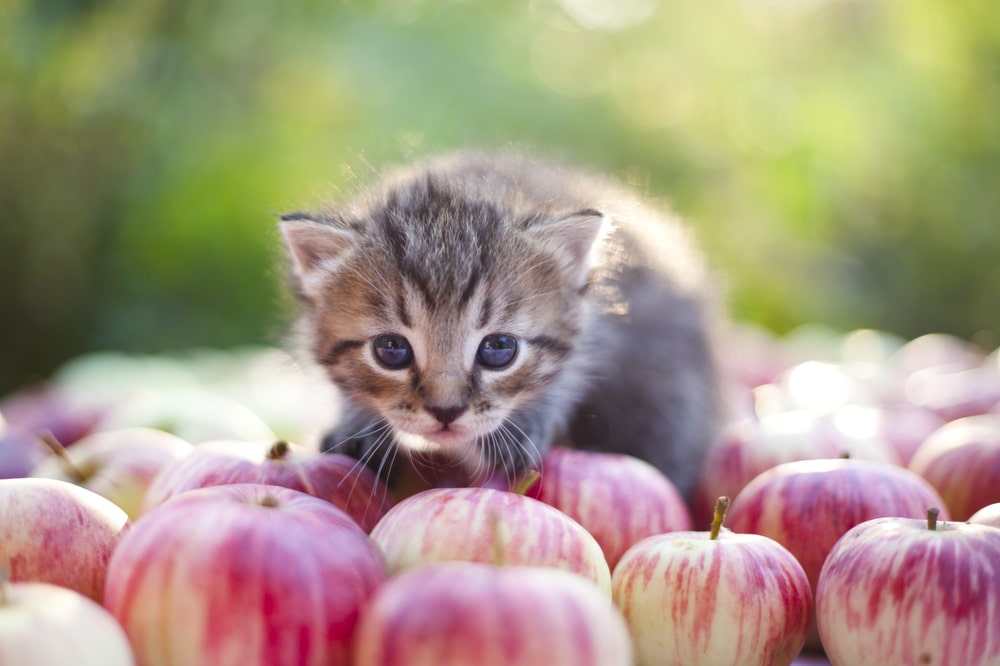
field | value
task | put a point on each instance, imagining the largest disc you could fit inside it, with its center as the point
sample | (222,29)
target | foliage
(839,158)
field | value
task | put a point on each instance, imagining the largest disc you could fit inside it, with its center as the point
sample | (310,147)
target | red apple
(116,464)
(336,478)
(713,597)
(962,461)
(988,515)
(56,532)
(909,591)
(807,505)
(48,625)
(749,447)
(243,574)
(619,499)
(462,613)
(490,526)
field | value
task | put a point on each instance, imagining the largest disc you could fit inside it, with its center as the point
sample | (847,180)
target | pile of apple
(153,512)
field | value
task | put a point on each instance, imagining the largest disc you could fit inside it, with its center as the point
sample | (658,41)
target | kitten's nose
(446,415)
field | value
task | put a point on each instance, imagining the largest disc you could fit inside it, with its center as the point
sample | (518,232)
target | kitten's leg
(518,445)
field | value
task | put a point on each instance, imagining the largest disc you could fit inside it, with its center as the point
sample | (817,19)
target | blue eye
(497,351)
(393,351)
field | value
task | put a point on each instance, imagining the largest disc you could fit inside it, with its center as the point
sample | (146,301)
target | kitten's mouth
(443,438)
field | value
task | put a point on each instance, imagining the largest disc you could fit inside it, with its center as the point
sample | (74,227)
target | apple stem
(269,500)
(58,450)
(721,506)
(278,451)
(530,477)
(932,516)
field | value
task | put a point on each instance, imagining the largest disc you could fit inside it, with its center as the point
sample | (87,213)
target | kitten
(484,305)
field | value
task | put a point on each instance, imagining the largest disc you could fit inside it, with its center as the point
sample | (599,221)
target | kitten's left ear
(572,237)
(316,248)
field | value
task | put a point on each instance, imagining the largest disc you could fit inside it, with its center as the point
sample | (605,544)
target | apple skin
(56,532)
(988,515)
(490,526)
(336,478)
(807,505)
(618,498)
(47,625)
(491,616)
(748,447)
(117,464)
(961,460)
(20,452)
(893,591)
(689,599)
(243,574)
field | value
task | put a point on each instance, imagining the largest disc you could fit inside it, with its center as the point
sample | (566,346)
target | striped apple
(619,499)
(243,575)
(908,591)
(490,526)
(807,505)
(48,625)
(117,464)
(714,597)
(961,459)
(336,478)
(56,532)
(491,616)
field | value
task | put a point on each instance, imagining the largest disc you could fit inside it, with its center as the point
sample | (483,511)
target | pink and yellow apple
(962,461)
(57,532)
(713,597)
(47,625)
(117,464)
(490,526)
(462,613)
(910,591)
(243,575)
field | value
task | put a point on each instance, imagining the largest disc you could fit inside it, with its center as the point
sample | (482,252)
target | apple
(750,446)
(487,525)
(334,477)
(961,459)
(807,505)
(618,498)
(910,591)
(56,532)
(461,613)
(49,408)
(988,515)
(243,574)
(192,413)
(713,597)
(20,452)
(116,464)
(47,625)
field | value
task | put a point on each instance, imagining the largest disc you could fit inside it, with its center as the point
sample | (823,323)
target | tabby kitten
(484,305)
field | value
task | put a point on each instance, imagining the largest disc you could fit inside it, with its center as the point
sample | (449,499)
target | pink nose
(446,415)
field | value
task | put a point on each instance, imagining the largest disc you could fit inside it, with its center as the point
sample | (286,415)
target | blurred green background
(839,159)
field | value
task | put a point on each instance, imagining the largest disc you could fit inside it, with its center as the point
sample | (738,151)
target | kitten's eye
(497,351)
(393,351)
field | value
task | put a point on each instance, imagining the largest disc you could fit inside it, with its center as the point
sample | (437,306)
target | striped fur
(606,298)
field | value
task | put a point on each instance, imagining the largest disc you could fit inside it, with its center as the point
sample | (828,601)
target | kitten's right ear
(315,249)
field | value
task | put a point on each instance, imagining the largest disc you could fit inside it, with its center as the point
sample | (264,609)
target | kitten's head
(443,310)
